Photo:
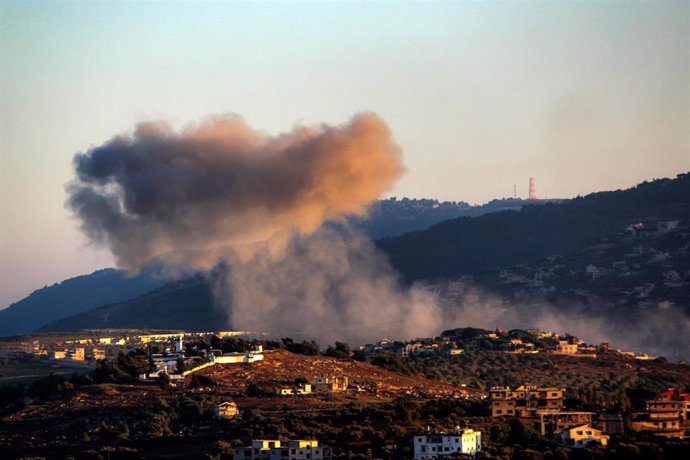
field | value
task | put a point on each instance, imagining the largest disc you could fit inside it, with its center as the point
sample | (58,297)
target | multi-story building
(467,442)
(675,394)
(662,418)
(525,401)
(540,408)
(273,449)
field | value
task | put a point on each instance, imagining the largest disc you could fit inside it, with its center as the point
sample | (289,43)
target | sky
(480,96)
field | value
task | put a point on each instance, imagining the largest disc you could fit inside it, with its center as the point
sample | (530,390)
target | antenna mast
(532,189)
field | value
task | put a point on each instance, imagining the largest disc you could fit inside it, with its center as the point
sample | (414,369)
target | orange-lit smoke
(220,183)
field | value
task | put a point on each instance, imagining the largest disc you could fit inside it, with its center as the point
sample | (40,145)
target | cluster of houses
(69,351)
(91,349)
(426,446)
(644,254)
(666,416)
(539,407)
(420,347)
(78,354)
(499,340)
(543,409)
(176,365)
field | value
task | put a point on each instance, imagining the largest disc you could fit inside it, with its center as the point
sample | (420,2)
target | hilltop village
(235,394)
(643,266)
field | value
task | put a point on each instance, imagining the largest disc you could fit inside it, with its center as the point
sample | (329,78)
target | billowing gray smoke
(220,183)
(220,191)
(329,286)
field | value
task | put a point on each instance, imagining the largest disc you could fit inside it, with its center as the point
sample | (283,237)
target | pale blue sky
(585,96)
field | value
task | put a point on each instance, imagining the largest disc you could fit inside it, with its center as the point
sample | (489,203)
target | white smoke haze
(661,331)
(327,287)
(219,191)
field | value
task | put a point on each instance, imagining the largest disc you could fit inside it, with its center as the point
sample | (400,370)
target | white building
(581,436)
(246,357)
(467,442)
(272,449)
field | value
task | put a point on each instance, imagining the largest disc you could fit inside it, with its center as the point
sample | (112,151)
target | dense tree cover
(305,347)
(124,369)
(394,363)
(473,245)
(339,350)
(385,428)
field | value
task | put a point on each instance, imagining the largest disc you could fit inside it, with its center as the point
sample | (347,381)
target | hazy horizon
(584,97)
(113,265)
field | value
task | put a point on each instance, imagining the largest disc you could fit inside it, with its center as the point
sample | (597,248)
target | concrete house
(467,442)
(273,449)
(227,410)
(330,384)
(581,436)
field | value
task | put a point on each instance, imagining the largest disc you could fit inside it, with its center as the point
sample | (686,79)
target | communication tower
(532,189)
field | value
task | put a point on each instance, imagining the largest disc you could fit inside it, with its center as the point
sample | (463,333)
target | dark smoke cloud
(220,183)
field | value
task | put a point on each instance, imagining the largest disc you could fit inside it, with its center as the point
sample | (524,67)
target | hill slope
(72,296)
(105,287)
(472,245)
(186,305)
(460,246)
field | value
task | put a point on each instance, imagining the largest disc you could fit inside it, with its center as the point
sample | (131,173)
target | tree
(341,351)
(163,380)
(304,348)
(181,365)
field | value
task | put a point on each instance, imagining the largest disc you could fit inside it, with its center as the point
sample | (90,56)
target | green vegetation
(489,242)
(306,347)
(341,350)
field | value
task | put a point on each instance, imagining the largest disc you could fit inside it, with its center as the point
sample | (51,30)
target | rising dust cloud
(222,191)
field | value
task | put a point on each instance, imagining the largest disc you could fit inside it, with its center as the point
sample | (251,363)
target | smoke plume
(220,191)
(328,286)
(220,183)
